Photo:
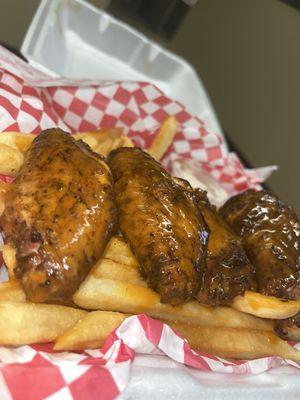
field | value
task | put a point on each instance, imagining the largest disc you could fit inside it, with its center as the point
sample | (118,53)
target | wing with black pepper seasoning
(162,223)
(59,215)
(270,232)
(228,272)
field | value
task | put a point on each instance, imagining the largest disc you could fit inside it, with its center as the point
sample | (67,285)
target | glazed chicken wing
(228,272)
(59,215)
(270,232)
(162,223)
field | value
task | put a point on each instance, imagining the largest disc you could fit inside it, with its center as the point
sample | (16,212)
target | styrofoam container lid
(71,38)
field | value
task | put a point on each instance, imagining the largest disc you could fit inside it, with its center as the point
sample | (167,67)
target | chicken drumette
(270,232)
(228,271)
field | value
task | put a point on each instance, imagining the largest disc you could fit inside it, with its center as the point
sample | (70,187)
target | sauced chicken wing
(270,231)
(162,223)
(59,215)
(228,272)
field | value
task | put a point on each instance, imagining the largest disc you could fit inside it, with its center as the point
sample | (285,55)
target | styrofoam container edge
(74,39)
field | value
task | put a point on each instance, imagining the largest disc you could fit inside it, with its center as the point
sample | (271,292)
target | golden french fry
(122,141)
(105,139)
(108,269)
(92,330)
(126,142)
(18,140)
(265,306)
(89,332)
(114,295)
(236,343)
(90,140)
(118,287)
(105,147)
(11,159)
(110,140)
(164,138)
(12,291)
(26,323)
(118,250)
(102,141)
(9,257)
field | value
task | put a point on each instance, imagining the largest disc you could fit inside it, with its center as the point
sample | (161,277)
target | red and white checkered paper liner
(30,101)
(36,372)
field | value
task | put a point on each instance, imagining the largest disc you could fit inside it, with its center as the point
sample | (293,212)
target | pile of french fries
(114,290)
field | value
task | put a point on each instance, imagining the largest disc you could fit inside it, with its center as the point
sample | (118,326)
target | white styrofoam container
(73,39)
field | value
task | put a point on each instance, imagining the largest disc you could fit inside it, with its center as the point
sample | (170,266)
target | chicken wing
(270,232)
(162,223)
(59,215)
(228,272)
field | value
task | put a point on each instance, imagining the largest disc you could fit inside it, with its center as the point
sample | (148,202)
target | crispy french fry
(109,141)
(9,257)
(164,138)
(265,306)
(118,250)
(114,295)
(14,144)
(18,140)
(118,287)
(103,140)
(12,291)
(126,142)
(236,343)
(89,139)
(106,147)
(111,270)
(91,331)
(11,159)
(26,323)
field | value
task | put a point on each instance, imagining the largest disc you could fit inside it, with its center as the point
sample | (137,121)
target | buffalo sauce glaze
(228,272)
(270,232)
(162,223)
(59,215)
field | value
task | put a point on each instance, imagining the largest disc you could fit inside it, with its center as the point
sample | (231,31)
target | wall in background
(15,17)
(248,55)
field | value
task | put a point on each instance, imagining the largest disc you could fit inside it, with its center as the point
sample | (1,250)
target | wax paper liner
(31,101)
